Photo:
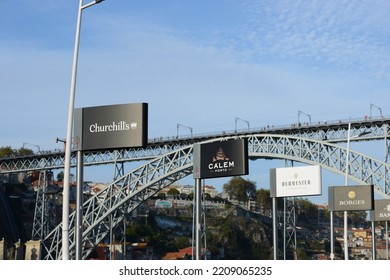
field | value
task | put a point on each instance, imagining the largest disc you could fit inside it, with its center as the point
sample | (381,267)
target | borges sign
(111,127)
(221,159)
(351,198)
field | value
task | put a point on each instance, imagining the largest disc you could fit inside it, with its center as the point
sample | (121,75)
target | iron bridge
(166,160)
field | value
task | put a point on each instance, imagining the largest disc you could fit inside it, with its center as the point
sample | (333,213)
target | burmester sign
(295,181)
(111,127)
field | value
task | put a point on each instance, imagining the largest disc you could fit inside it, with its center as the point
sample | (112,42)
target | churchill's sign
(295,181)
(111,127)
(351,198)
(221,159)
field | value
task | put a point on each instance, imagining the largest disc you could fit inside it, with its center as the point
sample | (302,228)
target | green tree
(7,152)
(240,189)
(173,192)
(182,242)
(357,218)
(25,152)
(263,198)
(307,211)
(60,176)
(161,195)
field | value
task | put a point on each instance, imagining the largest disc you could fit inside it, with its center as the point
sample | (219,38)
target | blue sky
(197,63)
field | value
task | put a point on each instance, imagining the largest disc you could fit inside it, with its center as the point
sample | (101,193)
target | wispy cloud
(261,63)
(342,34)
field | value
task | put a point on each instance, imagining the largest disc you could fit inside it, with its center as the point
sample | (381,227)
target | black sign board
(351,198)
(111,127)
(221,159)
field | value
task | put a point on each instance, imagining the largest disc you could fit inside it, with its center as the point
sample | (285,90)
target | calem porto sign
(221,159)
(295,181)
(351,198)
(111,127)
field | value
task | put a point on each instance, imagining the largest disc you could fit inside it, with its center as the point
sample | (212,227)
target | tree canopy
(263,198)
(8,151)
(240,189)
(173,191)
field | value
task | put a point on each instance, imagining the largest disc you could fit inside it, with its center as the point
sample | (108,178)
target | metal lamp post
(299,114)
(182,125)
(65,193)
(346,184)
(238,119)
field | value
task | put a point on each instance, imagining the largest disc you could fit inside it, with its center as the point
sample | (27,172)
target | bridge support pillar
(33,250)
(19,250)
(3,249)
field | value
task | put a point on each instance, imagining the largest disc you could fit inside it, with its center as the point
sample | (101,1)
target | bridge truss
(309,144)
(107,208)
(332,132)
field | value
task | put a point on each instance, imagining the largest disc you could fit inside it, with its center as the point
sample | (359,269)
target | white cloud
(284,58)
(342,34)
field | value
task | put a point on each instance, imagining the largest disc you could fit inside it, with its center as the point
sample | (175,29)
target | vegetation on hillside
(8,151)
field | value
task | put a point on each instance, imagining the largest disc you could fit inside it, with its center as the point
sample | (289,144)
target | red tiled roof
(182,254)
(139,245)
(175,256)
(187,250)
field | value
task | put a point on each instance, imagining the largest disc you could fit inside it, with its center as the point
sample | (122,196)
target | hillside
(230,234)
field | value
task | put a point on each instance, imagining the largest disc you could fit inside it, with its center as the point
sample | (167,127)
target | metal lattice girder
(334,132)
(338,132)
(289,221)
(105,209)
(45,208)
(363,169)
(129,191)
(290,231)
(38,223)
(56,160)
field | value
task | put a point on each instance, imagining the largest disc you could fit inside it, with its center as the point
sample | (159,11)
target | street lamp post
(346,184)
(38,147)
(238,119)
(380,110)
(65,192)
(181,125)
(61,140)
(299,114)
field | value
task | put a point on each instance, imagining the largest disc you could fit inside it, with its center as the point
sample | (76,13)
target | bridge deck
(331,131)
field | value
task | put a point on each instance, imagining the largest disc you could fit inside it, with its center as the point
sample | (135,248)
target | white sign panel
(296,181)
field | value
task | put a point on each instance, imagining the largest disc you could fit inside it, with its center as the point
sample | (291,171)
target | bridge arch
(106,209)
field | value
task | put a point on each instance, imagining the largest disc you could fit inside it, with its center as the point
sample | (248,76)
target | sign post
(350,198)
(105,128)
(212,160)
(111,127)
(292,181)
(380,214)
